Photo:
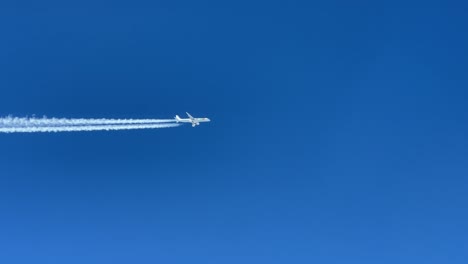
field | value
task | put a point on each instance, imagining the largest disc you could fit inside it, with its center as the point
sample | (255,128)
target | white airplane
(191,119)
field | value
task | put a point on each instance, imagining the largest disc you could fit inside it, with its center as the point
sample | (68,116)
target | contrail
(21,121)
(82,128)
(32,125)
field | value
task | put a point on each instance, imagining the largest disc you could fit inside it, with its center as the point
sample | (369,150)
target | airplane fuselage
(192,120)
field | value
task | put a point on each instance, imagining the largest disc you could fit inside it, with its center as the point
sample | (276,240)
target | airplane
(191,119)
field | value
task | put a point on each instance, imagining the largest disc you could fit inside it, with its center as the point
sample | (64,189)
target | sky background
(338,134)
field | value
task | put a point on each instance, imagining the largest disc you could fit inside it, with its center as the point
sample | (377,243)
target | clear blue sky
(339,132)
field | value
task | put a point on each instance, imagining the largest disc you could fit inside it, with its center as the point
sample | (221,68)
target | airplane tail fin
(177,118)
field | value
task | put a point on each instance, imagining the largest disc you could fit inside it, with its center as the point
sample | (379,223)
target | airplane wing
(191,117)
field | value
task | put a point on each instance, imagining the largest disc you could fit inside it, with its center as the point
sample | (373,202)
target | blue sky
(338,133)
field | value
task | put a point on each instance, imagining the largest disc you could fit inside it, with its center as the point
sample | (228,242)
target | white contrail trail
(31,125)
(107,127)
(17,121)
